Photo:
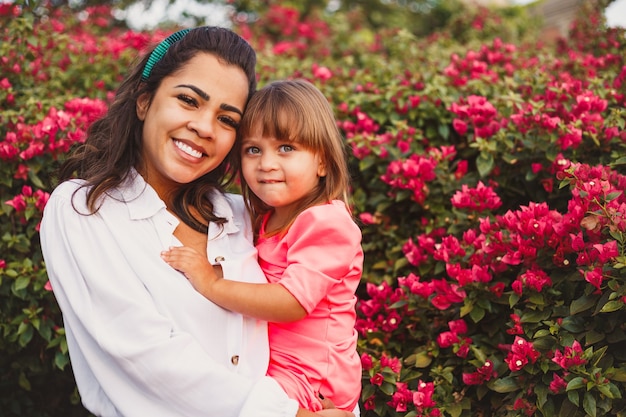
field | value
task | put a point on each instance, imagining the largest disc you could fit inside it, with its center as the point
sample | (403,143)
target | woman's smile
(189,149)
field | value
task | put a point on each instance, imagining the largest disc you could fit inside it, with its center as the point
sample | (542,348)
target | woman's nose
(203,126)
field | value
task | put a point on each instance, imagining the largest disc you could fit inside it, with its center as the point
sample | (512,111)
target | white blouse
(142,341)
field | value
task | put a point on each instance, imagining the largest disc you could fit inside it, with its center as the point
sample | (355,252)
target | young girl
(295,181)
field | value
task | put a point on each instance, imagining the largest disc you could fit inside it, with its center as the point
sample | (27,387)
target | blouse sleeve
(324,248)
(130,357)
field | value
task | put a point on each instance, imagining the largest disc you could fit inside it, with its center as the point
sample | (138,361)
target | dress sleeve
(126,355)
(324,247)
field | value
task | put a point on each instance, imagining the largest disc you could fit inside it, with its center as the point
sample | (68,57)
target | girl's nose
(267,162)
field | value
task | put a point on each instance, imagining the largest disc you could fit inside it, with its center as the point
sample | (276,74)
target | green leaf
(576,383)
(24,382)
(612,306)
(606,390)
(61,360)
(477,314)
(454,409)
(619,375)
(582,304)
(423,360)
(589,404)
(388,388)
(503,385)
(574,397)
(21,283)
(485,164)
(542,394)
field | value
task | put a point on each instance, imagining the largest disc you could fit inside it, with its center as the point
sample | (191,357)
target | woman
(142,341)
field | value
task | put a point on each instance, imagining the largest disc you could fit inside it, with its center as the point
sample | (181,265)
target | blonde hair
(297,111)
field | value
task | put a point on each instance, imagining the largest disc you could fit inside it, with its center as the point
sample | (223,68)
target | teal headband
(160,50)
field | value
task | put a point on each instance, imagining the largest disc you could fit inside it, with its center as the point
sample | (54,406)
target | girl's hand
(196,267)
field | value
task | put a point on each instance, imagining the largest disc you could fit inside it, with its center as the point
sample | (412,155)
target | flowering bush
(488,174)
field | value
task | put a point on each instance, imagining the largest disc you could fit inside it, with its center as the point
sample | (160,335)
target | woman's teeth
(187,149)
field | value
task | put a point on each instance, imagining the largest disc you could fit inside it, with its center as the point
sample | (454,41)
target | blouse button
(219,259)
(235,359)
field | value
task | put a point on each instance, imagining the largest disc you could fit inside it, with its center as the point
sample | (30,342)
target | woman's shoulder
(70,189)
(229,204)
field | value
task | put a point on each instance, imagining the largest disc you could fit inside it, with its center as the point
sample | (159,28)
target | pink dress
(319,260)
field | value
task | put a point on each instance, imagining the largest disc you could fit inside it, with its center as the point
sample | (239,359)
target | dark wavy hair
(114,142)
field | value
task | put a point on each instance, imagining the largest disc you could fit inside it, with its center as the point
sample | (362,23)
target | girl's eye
(252,150)
(286,148)
(229,121)
(188,100)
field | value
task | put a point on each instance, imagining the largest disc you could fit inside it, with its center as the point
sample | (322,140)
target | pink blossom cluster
(570,357)
(569,111)
(480,198)
(454,338)
(421,399)
(441,293)
(482,64)
(476,112)
(521,352)
(55,134)
(27,198)
(292,34)
(481,375)
(412,174)
(377,312)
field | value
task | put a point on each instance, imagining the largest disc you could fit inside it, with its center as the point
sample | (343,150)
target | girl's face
(191,122)
(279,173)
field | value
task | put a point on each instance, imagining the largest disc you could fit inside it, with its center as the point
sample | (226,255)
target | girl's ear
(142,105)
(321,169)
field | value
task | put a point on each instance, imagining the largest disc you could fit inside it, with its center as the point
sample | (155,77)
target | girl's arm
(324,248)
(270,302)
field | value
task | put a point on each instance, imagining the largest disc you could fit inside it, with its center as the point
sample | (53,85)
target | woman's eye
(229,121)
(187,100)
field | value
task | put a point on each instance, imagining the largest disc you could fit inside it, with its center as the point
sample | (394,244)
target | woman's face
(190,124)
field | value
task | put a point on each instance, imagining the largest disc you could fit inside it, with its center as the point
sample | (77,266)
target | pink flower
(516,361)
(558,384)
(367,218)
(377,379)
(322,73)
(401,398)
(522,352)
(481,375)
(18,203)
(594,277)
(423,398)
(517,325)
(366,362)
(393,363)
(571,356)
(460,126)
